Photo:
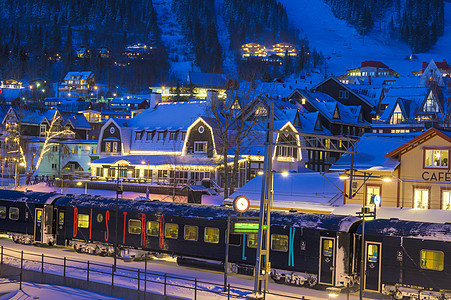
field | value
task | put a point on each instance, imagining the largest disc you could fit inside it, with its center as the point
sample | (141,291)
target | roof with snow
(155,160)
(372,149)
(309,191)
(78,75)
(373,63)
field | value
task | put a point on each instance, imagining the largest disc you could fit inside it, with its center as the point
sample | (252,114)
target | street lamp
(147,178)
(86,186)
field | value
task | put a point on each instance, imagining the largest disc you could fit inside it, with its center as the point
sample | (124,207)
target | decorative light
(284,173)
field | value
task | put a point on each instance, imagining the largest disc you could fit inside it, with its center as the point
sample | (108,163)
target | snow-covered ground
(45,292)
(347,49)
(158,267)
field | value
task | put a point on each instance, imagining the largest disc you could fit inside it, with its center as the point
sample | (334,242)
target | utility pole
(262,264)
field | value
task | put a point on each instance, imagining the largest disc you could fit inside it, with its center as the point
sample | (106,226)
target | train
(404,259)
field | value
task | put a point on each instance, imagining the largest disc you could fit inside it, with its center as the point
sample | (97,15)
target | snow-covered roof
(409,229)
(210,212)
(207,80)
(127,101)
(78,75)
(371,150)
(309,191)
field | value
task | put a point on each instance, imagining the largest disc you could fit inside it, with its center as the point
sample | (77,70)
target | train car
(407,259)
(27,216)
(308,248)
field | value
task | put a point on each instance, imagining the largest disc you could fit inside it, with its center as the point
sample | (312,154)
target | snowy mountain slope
(224,39)
(180,57)
(347,49)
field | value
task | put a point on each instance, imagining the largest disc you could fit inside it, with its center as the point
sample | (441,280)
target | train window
(432,260)
(252,240)
(61,218)
(83,221)
(2,212)
(211,235)
(279,242)
(372,253)
(172,231)
(327,247)
(134,226)
(235,239)
(153,228)
(191,232)
(13,213)
(39,216)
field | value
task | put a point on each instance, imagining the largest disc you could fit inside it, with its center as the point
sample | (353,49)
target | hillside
(347,49)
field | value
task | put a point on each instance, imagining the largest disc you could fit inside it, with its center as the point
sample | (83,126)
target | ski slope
(347,49)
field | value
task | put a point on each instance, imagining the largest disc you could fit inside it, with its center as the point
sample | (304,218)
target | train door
(60,228)
(327,261)
(38,225)
(372,266)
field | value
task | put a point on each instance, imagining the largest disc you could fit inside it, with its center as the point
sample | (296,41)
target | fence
(141,278)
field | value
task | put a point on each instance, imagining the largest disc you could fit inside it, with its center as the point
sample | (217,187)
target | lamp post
(86,186)
(147,178)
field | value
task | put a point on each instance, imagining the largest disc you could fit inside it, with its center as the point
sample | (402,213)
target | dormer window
(173,135)
(397,116)
(161,135)
(149,135)
(139,135)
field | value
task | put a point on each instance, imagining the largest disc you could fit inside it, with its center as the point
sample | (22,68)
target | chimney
(212,96)
(155,99)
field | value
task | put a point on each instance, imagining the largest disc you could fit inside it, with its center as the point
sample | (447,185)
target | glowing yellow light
(284,173)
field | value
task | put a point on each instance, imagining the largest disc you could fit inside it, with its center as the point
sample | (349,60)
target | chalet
(332,118)
(370,68)
(407,171)
(128,104)
(281,49)
(253,50)
(347,96)
(433,74)
(410,110)
(77,84)
(443,67)
(83,52)
(27,127)
(104,52)
(11,84)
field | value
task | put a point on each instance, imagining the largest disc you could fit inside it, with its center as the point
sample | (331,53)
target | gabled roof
(80,75)
(346,87)
(373,63)
(428,134)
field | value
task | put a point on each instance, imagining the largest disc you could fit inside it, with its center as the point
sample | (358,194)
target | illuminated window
(370,191)
(252,240)
(107,146)
(372,253)
(446,200)
(134,226)
(83,221)
(153,228)
(61,218)
(172,231)
(430,105)
(191,232)
(397,116)
(432,260)
(211,235)
(328,247)
(114,146)
(421,198)
(436,158)
(39,216)
(200,147)
(2,212)
(13,213)
(279,242)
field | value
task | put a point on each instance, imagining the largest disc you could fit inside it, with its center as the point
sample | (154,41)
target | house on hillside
(11,84)
(443,67)
(369,69)
(77,84)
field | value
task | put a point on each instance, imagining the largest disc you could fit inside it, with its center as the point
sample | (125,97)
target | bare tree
(55,130)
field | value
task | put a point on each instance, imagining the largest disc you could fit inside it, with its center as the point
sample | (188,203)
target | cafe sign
(436,176)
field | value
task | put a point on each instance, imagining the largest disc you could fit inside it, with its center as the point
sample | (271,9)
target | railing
(141,279)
